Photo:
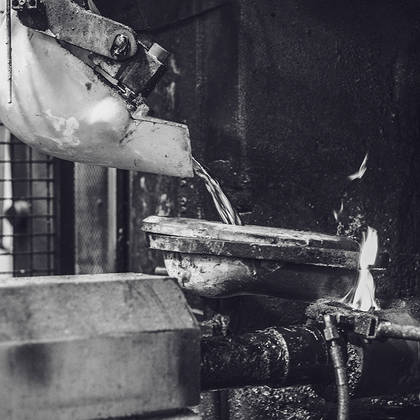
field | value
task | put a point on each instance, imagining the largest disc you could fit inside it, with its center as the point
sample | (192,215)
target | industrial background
(283,100)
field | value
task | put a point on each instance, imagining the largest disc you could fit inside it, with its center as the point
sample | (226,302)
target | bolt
(18,4)
(121,46)
(159,52)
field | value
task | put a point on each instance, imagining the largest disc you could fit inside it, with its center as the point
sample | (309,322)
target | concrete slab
(100,346)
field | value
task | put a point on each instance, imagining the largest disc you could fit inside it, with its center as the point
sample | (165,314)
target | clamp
(113,50)
(367,325)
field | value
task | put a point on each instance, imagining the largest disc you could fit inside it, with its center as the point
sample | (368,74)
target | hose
(337,357)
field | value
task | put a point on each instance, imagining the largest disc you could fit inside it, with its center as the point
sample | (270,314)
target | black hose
(337,358)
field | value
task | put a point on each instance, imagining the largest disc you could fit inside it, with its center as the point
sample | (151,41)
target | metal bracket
(133,66)
(363,324)
(22,4)
(71,23)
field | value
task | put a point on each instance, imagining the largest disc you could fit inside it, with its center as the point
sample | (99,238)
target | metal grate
(27,210)
(95,215)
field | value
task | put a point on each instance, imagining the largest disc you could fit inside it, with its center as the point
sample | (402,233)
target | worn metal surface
(218,260)
(93,124)
(298,355)
(377,364)
(282,357)
(188,415)
(310,255)
(259,235)
(214,276)
(276,356)
(403,332)
(255,242)
(91,346)
(191,236)
(181,415)
(69,22)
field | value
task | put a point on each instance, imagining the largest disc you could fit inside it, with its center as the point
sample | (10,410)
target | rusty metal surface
(90,346)
(276,356)
(182,415)
(138,75)
(188,236)
(71,23)
(282,357)
(405,332)
(259,235)
(218,260)
(377,364)
(215,276)
(93,124)
(293,254)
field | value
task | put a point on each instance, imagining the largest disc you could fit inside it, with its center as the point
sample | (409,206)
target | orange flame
(362,297)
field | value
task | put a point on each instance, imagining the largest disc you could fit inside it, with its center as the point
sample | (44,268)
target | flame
(362,297)
(337,213)
(363,168)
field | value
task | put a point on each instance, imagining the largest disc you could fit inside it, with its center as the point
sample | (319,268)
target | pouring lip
(193,236)
(261,235)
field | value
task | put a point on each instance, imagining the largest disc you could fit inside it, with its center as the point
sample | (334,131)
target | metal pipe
(275,356)
(406,332)
(282,357)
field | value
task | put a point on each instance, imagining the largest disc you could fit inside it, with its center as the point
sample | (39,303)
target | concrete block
(88,347)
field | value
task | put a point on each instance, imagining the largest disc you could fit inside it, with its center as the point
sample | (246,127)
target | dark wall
(283,100)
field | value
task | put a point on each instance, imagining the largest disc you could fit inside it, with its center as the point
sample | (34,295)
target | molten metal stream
(223,206)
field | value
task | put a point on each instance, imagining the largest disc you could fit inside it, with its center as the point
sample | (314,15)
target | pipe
(406,332)
(275,356)
(282,357)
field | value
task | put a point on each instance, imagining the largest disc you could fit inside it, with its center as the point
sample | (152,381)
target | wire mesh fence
(95,215)
(52,220)
(27,210)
